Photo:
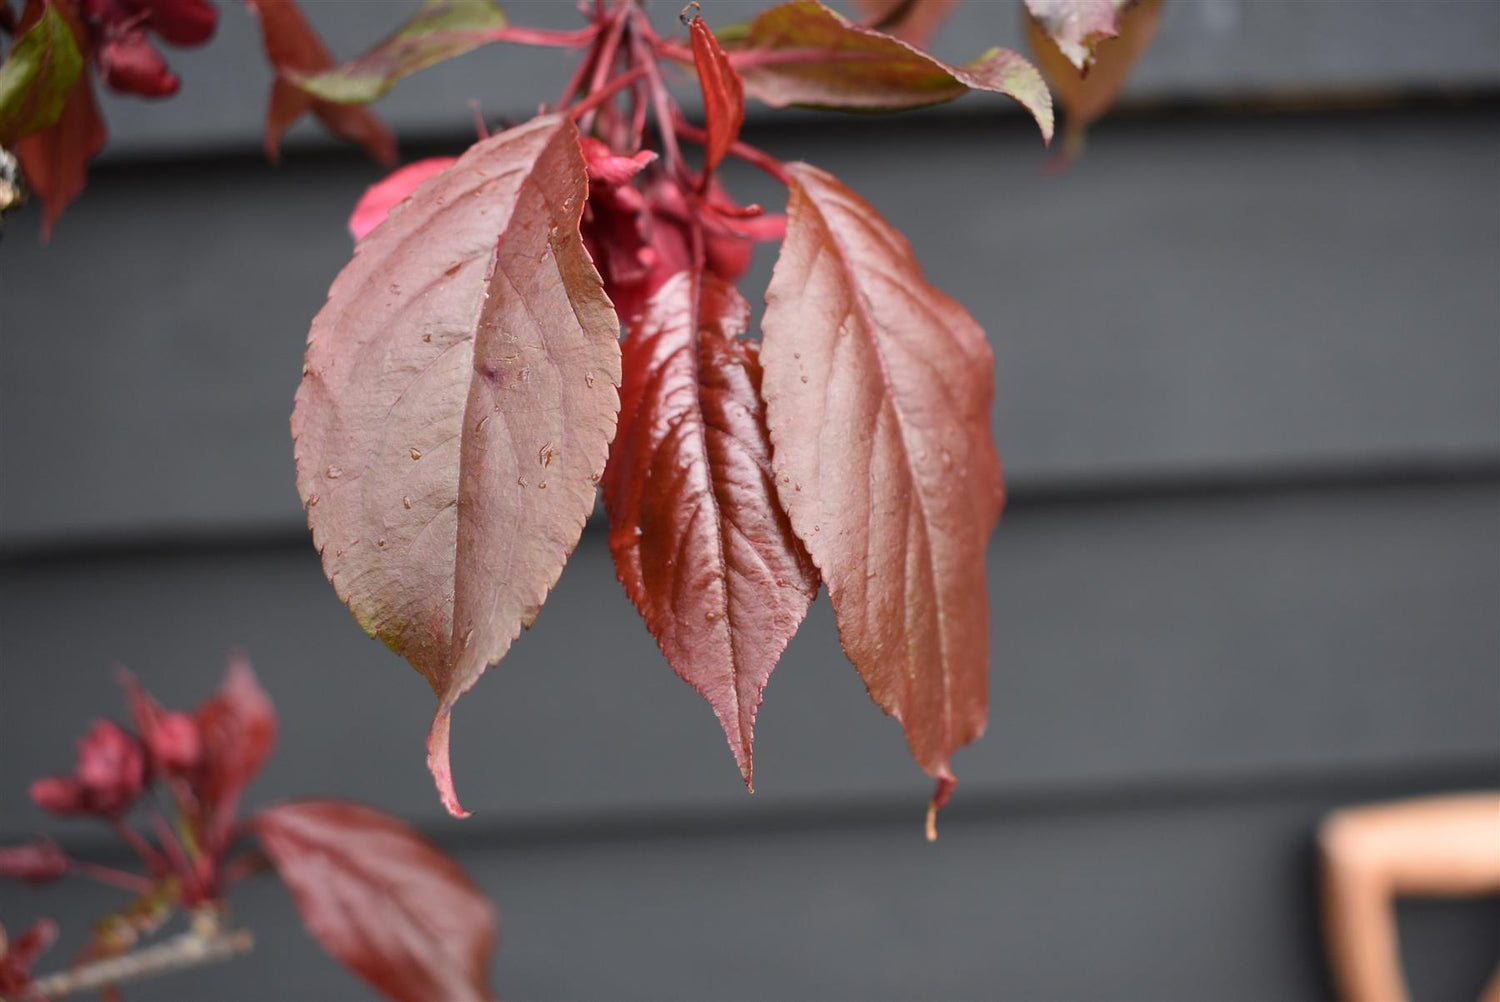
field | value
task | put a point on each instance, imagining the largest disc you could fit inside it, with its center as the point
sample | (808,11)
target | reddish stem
(123,879)
(661,104)
(609,90)
(743,150)
(541,36)
(154,859)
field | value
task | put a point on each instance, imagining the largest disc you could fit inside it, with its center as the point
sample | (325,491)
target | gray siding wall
(1248,394)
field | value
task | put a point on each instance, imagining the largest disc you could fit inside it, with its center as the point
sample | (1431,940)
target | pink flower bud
(60,795)
(131,66)
(36,863)
(174,743)
(111,767)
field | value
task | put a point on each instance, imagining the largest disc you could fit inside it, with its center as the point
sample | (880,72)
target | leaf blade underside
(698,535)
(458,400)
(382,900)
(878,390)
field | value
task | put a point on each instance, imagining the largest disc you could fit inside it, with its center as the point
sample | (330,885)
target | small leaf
(38,76)
(56,159)
(806,54)
(1085,98)
(456,408)
(878,391)
(236,732)
(723,94)
(294,49)
(914,21)
(440,30)
(699,538)
(1076,26)
(382,900)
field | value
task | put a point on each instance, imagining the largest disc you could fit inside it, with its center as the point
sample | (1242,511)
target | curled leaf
(38,76)
(1086,97)
(456,408)
(878,391)
(295,50)
(439,30)
(699,538)
(382,900)
(723,94)
(1075,27)
(803,53)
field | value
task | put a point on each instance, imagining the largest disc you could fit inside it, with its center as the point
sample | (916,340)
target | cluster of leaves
(381,899)
(466,388)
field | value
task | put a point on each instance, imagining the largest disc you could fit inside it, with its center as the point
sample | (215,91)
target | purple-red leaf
(878,391)
(1086,93)
(456,408)
(806,54)
(723,94)
(1076,26)
(914,21)
(236,732)
(295,50)
(382,900)
(439,30)
(699,539)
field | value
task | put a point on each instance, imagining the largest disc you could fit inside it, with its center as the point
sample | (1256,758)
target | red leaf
(456,408)
(295,49)
(56,160)
(803,53)
(236,732)
(723,94)
(39,74)
(384,195)
(699,539)
(382,900)
(912,21)
(878,391)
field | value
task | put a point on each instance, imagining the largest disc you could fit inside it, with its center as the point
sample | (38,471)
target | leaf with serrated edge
(457,404)
(1077,26)
(699,537)
(855,68)
(439,30)
(382,900)
(723,94)
(878,391)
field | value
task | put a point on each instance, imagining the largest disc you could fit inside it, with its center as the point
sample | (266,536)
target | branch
(204,944)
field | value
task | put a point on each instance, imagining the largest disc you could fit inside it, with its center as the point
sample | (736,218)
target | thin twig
(190,949)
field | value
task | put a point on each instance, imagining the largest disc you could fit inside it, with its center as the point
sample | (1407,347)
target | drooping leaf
(699,538)
(723,94)
(382,900)
(878,391)
(384,195)
(294,49)
(456,408)
(56,159)
(440,29)
(803,53)
(1085,98)
(914,21)
(38,76)
(1077,26)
